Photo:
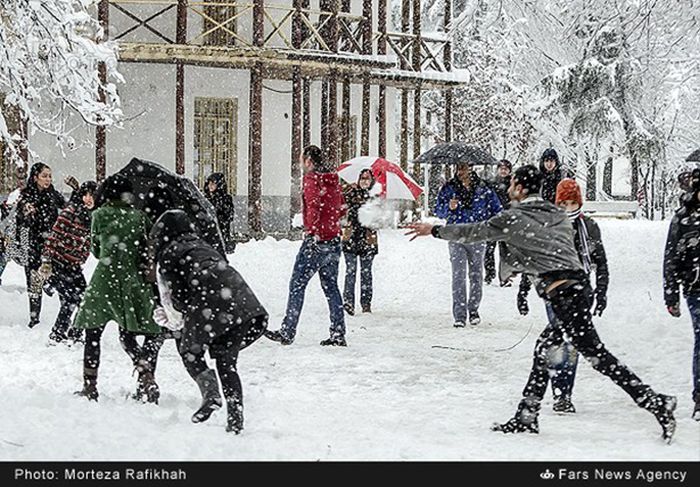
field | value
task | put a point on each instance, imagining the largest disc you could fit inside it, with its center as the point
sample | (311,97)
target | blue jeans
(323,258)
(365,279)
(562,360)
(694,308)
(462,255)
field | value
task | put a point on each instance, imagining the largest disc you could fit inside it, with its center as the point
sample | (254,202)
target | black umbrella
(456,153)
(157,189)
(694,156)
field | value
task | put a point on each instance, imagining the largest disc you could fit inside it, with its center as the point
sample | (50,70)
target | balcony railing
(280,27)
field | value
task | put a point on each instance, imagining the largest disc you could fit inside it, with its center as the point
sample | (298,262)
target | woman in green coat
(118,291)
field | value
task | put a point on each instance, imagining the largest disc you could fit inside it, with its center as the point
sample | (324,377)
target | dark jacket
(551,179)
(68,244)
(323,205)
(477,203)
(500,186)
(682,255)
(213,298)
(222,202)
(47,204)
(356,238)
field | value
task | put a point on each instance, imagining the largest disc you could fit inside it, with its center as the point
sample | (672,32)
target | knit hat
(568,189)
(505,163)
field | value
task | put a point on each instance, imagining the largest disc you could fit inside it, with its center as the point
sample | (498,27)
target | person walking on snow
(539,240)
(118,290)
(682,269)
(359,242)
(216,191)
(323,206)
(563,360)
(552,174)
(215,309)
(65,252)
(500,185)
(37,210)
(466,199)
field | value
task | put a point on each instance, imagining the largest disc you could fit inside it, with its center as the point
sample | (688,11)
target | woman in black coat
(212,306)
(37,211)
(359,242)
(216,191)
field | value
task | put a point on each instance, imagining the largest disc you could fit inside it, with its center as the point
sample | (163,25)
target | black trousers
(141,355)
(490,261)
(572,308)
(70,284)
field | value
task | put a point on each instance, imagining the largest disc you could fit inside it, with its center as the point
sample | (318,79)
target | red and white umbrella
(395,184)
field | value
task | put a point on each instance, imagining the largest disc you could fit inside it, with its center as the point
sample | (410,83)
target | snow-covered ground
(389,395)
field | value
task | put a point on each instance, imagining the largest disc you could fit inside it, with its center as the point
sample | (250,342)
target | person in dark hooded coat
(216,191)
(682,271)
(552,173)
(37,211)
(212,305)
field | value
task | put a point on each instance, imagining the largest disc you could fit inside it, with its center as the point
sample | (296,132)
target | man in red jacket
(323,206)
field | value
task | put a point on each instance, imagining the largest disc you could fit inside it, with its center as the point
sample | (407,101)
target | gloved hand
(72,182)
(601,302)
(45,271)
(523,307)
(160,316)
(674,310)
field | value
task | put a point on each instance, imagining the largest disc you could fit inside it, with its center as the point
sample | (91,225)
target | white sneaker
(459,324)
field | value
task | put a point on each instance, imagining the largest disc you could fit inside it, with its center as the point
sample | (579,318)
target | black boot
(147,389)
(34,309)
(234,420)
(662,407)
(524,421)
(563,404)
(696,410)
(211,399)
(89,385)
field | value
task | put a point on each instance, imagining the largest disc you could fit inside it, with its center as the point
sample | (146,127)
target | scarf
(576,218)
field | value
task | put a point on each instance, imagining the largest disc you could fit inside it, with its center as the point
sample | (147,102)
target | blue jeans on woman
(313,257)
(563,360)
(365,279)
(694,308)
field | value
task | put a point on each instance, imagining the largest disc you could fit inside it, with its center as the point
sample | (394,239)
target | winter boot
(349,309)
(662,407)
(524,421)
(366,308)
(211,399)
(89,385)
(56,337)
(338,341)
(276,336)
(234,420)
(474,318)
(75,335)
(563,404)
(696,410)
(34,309)
(147,389)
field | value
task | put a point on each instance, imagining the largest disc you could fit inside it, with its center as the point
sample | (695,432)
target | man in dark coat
(563,360)
(539,240)
(214,307)
(323,205)
(216,191)
(682,269)
(500,185)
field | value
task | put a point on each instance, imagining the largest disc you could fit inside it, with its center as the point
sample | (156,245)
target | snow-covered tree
(50,53)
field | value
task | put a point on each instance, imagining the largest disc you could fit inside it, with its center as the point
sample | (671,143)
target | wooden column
(306,108)
(405,25)
(255,127)
(366,87)
(324,114)
(416,65)
(447,61)
(416,58)
(297,95)
(181,38)
(381,50)
(347,152)
(101,130)
(332,148)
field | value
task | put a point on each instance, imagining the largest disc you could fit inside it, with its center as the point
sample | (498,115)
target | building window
(215,139)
